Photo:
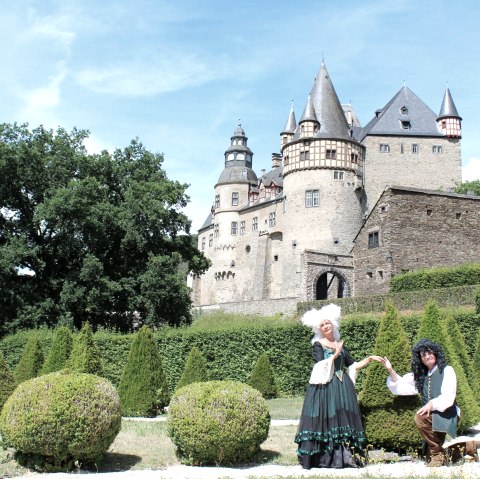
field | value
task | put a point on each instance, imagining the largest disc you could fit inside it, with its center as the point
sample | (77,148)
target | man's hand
(427,409)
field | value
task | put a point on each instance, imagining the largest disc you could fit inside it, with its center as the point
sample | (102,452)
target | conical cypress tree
(262,377)
(7,381)
(59,350)
(477,300)
(388,419)
(31,361)
(143,387)
(85,357)
(195,369)
(476,357)
(433,327)
(460,349)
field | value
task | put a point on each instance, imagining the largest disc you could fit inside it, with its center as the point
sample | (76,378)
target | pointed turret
(449,121)
(309,123)
(328,109)
(289,128)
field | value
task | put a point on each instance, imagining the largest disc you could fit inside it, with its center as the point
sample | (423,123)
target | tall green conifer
(388,419)
(262,377)
(195,369)
(7,381)
(59,351)
(31,361)
(85,357)
(143,388)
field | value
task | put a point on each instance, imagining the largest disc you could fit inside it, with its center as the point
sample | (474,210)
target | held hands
(378,359)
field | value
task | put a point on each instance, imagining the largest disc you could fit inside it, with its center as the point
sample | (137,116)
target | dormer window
(406,124)
(404,110)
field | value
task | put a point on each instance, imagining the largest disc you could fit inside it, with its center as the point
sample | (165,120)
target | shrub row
(404,300)
(232,354)
(441,277)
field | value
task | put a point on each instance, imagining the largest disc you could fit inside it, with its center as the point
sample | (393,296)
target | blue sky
(179,74)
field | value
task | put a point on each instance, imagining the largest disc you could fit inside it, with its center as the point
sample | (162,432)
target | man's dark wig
(418,368)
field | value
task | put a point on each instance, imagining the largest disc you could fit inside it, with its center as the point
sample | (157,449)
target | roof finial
(323,60)
(292,105)
(239,122)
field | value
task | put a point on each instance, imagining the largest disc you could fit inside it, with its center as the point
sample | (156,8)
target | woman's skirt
(330,432)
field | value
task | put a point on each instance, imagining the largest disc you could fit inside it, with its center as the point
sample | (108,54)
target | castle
(293,233)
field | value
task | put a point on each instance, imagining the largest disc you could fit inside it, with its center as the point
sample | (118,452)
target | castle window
(404,110)
(255,223)
(210,240)
(406,124)
(234,227)
(242,227)
(312,198)
(244,173)
(384,148)
(275,257)
(380,273)
(234,198)
(458,215)
(203,243)
(401,148)
(429,212)
(338,175)
(437,149)
(373,239)
(271,219)
(444,124)
(415,148)
(217,201)
(216,230)
(302,155)
(354,158)
(331,154)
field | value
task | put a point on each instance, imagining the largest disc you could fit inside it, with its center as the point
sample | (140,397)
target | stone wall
(287,306)
(416,229)
(424,169)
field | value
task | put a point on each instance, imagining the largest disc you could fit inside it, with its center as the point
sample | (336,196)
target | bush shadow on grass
(116,461)
(265,456)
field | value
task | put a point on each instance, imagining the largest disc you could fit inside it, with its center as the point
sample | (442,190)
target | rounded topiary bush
(60,419)
(217,422)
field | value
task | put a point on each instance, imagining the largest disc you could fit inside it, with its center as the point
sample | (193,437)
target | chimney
(276,160)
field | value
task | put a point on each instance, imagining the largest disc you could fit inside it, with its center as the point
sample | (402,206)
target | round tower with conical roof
(322,180)
(449,121)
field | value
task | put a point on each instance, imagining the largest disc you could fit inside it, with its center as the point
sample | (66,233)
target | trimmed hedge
(218,423)
(61,420)
(85,356)
(31,361)
(230,353)
(7,381)
(59,351)
(432,278)
(404,301)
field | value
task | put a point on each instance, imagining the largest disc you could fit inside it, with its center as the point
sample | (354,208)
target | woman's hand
(338,349)
(378,359)
(388,366)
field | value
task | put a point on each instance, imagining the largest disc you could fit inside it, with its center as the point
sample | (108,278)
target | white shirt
(405,386)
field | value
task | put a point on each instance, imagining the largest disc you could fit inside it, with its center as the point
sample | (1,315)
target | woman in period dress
(330,433)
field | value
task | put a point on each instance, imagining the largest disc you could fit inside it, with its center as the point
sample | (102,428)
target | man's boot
(471,448)
(437,459)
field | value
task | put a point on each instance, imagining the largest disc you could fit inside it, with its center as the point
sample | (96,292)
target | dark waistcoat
(445,421)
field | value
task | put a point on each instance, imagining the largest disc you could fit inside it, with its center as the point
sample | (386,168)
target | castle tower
(219,236)
(449,121)
(322,192)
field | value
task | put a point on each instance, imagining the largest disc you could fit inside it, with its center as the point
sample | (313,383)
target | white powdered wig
(314,317)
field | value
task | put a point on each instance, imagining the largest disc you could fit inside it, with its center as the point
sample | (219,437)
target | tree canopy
(90,237)
(466,186)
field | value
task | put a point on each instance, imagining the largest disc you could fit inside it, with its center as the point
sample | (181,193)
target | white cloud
(95,145)
(154,75)
(471,170)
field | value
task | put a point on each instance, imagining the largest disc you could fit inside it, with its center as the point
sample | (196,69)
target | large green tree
(90,237)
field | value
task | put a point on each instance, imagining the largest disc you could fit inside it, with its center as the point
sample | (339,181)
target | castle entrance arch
(331,284)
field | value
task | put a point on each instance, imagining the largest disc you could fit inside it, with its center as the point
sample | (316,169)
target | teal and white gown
(330,433)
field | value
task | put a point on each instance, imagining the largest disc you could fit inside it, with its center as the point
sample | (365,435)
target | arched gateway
(331,284)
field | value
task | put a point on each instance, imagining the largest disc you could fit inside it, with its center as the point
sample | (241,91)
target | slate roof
(291,124)
(273,176)
(448,106)
(234,174)
(423,121)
